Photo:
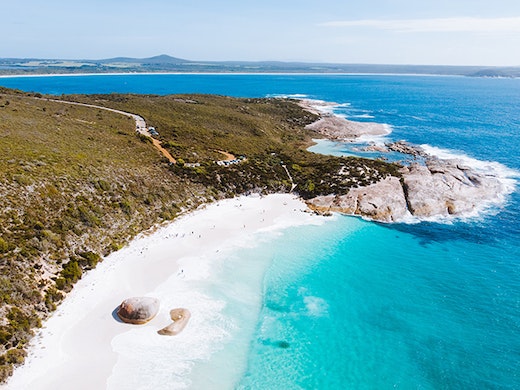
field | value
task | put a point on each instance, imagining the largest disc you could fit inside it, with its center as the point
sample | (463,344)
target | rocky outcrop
(337,128)
(138,310)
(445,187)
(180,318)
(405,148)
(436,189)
(382,201)
(429,187)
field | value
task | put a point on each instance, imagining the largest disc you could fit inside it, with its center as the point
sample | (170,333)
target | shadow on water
(489,229)
(431,232)
(282,344)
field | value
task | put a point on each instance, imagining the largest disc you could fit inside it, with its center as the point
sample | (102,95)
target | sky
(436,32)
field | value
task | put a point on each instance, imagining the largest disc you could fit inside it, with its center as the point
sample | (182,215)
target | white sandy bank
(82,346)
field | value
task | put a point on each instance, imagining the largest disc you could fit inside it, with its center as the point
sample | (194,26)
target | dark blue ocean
(353,304)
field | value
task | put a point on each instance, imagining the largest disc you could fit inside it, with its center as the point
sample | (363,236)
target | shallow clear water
(356,304)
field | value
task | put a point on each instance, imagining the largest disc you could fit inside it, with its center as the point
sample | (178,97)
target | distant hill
(166,63)
(161,59)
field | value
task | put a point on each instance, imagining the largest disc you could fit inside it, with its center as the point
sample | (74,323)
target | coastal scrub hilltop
(79,182)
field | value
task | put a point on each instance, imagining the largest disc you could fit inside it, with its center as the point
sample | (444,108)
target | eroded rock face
(138,310)
(445,187)
(382,201)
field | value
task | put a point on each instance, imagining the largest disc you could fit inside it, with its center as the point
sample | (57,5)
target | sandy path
(165,153)
(229,156)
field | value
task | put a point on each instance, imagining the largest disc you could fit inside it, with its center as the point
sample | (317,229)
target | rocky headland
(337,128)
(430,189)
(428,186)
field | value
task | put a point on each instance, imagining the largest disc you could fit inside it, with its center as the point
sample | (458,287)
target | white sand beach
(83,346)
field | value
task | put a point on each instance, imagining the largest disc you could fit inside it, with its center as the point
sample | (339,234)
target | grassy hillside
(77,183)
(269,132)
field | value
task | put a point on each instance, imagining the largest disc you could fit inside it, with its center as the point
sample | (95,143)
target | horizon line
(304,62)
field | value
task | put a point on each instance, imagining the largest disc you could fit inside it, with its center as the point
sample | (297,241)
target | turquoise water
(360,305)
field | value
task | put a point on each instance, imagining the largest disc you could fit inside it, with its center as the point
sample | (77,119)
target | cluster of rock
(405,148)
(436,188)
(428,187)
(140,310)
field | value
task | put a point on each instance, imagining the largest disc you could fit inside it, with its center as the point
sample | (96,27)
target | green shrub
(5,372)
(89,259)
(5,336)
(310,186)
(52,296)
(13,356)
(87,217)
(69,275)
(144,138)
(72,271)
(4,246)
(125,206)
(102,185)
(23,180)
(18,320)
(61,283)
(113,247)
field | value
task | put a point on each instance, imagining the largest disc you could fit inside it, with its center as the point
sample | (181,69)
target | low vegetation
(77,183)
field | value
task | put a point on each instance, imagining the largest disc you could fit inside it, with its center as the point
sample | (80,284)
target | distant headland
(168,64)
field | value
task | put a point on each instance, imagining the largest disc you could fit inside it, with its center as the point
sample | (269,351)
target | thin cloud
(466,24)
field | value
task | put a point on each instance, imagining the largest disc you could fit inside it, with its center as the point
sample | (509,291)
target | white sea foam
(288,96)
(507,176)
(316,306)
(377,139)
(361,116)
(326,107)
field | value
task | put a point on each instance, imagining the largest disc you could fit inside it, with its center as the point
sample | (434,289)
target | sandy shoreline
(75,347)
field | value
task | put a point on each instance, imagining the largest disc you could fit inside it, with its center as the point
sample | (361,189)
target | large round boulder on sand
(138,310)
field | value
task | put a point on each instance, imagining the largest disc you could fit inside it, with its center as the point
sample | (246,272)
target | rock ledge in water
(180,318)
(138,310)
